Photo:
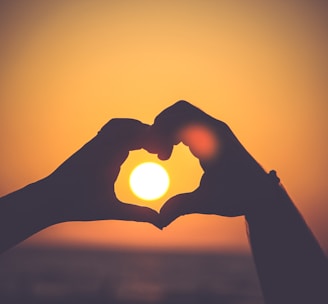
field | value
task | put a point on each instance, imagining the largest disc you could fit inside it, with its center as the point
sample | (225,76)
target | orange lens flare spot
(201,141)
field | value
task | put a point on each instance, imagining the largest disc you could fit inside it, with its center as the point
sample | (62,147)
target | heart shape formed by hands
(84,184)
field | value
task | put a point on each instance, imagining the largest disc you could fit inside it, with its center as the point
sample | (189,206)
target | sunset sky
(67,67)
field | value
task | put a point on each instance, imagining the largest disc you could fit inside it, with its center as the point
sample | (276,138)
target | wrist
(269,198)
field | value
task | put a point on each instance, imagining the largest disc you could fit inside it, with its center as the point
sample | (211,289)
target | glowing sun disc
(149,181)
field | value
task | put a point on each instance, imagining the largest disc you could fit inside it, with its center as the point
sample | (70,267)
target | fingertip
(165,154)
(168,214)
(157,225)
(164,224)
(179,205)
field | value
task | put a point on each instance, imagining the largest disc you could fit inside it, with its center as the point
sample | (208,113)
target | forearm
(291,266)
(23,213)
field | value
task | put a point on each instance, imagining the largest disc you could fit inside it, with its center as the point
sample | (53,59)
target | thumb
(130,212)
(176,206)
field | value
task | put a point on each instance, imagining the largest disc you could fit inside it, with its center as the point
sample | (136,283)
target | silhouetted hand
(83,186)
(292,267)
(232,181)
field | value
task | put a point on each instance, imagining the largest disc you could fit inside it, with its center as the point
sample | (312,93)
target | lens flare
(201,141)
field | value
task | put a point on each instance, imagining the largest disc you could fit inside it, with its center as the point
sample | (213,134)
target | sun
(149,181)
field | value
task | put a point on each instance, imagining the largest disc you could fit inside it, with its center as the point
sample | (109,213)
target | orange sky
(260,66)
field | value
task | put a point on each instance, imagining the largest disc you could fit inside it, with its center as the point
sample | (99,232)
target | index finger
(129,133)
(183,122)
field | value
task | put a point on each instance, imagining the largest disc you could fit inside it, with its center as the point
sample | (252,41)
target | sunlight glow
(149,181)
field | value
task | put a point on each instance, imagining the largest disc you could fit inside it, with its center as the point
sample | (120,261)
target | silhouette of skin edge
(81,189)
(291,266)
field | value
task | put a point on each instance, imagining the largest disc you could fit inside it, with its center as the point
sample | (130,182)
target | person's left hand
(82,188)
(233,183)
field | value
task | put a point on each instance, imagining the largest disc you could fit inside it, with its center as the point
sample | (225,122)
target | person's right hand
(82,188)
(232,183)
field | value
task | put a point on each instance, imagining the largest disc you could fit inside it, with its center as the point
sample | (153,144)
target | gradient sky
(67,67)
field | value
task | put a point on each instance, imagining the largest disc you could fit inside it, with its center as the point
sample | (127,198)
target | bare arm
(292,267)
(81,189)
(23,213)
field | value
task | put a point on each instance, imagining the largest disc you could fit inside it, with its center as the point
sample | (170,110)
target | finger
(163,131)
(159,145)
(129,133)
(166,126)
(129,212)
(181,204)
(187,123)
(179,114)
(117,138)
